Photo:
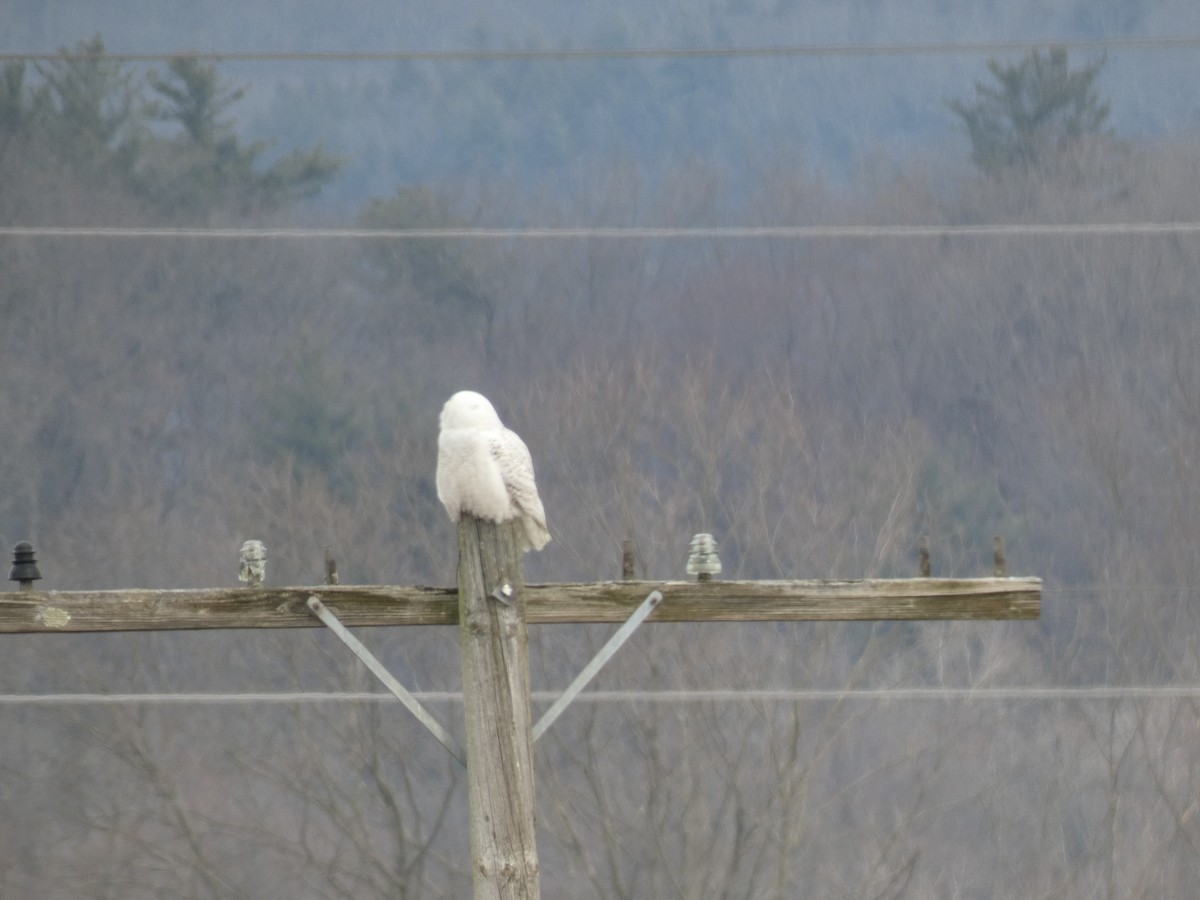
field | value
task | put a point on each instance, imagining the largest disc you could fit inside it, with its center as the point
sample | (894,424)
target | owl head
(467,409)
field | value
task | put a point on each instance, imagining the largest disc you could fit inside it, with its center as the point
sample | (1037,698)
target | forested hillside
(818,399)
(547,123)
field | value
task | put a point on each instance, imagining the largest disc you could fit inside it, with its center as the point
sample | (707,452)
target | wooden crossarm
(683,601)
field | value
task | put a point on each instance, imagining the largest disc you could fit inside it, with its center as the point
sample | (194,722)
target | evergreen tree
(92,114)
(1038,109)
(14,105)
(207,165)
(91,110)
(443,274)
(306,416)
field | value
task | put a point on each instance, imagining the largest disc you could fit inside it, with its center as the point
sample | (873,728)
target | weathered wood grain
(683,601)
(495,676)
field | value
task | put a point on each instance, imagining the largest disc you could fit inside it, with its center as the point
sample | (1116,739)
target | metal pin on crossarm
(331,572)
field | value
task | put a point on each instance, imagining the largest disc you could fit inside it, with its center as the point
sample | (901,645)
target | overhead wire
(634,232)
(930,48)
(780,695)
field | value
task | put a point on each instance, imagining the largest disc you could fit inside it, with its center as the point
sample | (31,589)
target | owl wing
(516,468)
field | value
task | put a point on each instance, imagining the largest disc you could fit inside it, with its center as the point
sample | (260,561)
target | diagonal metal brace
(589,672)
(321,611)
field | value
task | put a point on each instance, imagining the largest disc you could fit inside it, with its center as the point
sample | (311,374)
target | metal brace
(589,672)
(321,611)
(614,643)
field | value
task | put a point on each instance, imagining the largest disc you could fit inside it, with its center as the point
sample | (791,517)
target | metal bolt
(628,560)
(703,561)
(24,569)
(331,572)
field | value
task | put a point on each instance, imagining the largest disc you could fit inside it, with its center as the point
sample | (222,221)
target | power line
(794,232)
(938,48)
(1097,692)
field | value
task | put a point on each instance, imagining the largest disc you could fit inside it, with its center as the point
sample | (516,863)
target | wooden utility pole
(492,605)
(495,680)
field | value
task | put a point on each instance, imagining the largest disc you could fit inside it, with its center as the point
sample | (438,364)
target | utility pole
(492,606)
(495,679)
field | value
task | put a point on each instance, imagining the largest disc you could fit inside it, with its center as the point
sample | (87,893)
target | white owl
(485,470)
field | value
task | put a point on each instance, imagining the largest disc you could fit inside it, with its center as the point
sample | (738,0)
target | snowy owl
(485,470)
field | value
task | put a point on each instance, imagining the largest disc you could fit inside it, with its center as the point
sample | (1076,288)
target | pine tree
(207,165)
(1039,109)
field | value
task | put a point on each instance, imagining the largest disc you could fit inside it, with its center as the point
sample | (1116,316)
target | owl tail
(535,533)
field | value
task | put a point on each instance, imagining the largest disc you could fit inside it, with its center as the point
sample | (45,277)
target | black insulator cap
(24,565)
